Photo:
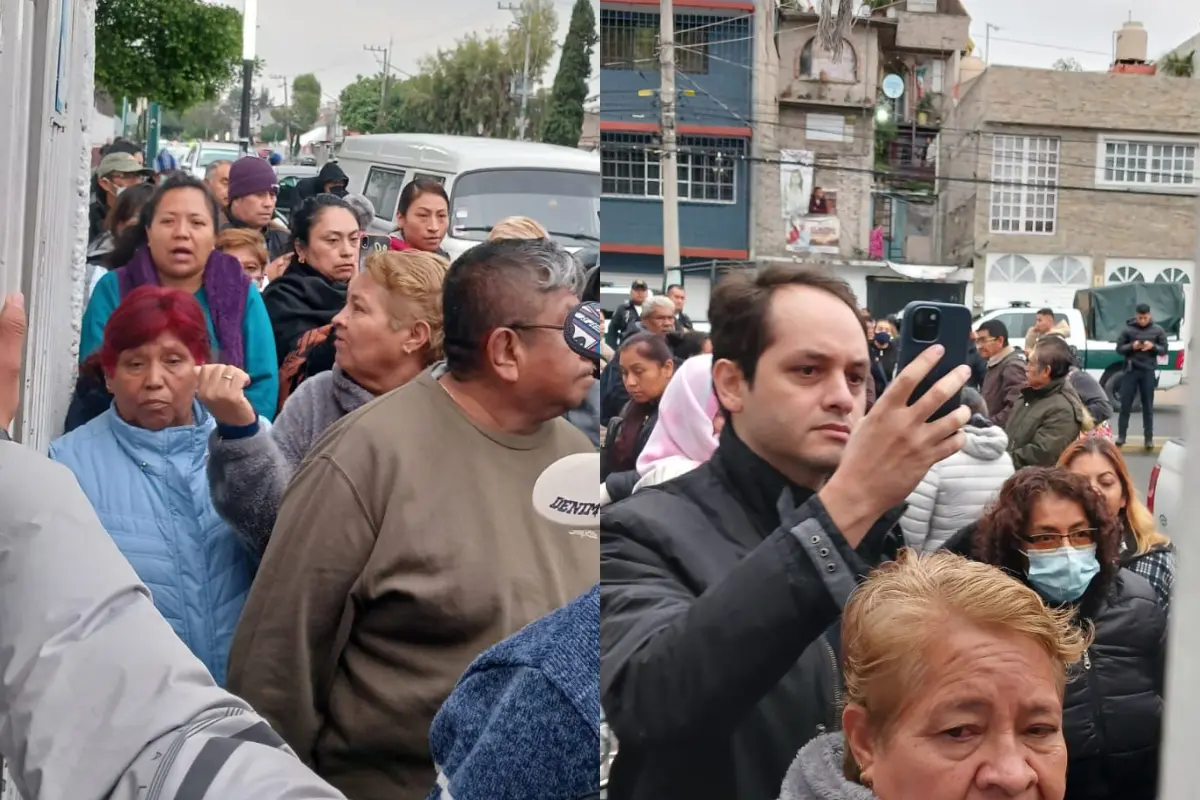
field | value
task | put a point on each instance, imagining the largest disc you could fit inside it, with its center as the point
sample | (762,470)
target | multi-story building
(1055,181)
(714,73)
(860,127)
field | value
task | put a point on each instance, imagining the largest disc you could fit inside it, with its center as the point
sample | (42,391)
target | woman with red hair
(142,464)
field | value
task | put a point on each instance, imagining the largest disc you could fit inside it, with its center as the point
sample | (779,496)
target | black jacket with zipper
(715,663)
(1112,712)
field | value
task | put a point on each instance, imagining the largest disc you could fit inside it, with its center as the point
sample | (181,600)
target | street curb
(1133,448)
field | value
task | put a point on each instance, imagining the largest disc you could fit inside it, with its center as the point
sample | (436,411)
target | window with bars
(1025,184)
(629,40)
(707,167)
(1134,163)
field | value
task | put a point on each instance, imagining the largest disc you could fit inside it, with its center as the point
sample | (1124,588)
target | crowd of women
(1012,644)
(199,395)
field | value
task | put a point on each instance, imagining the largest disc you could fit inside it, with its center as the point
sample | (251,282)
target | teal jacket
(261,362)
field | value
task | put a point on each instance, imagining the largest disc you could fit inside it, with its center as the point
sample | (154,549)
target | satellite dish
(864,11)
(893,86)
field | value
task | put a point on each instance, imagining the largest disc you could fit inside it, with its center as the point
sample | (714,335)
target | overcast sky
(1081,29)
(327,38)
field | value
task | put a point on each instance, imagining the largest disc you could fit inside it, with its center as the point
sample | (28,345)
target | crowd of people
(282,553)
(806,601)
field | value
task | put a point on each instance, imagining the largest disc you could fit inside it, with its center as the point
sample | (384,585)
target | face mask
(883,337)
(1062,575)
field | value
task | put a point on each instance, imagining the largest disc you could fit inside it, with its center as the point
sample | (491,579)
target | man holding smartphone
(1142,343)
(719,587)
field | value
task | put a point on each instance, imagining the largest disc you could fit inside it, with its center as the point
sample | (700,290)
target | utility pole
(287,122)
(987,42)
(523,120)
(383,81)
(669,171)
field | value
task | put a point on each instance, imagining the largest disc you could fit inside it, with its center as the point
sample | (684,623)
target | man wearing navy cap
(253,189)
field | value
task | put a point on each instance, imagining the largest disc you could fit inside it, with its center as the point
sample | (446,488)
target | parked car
(1097,320)
(201,154)
(1166,485)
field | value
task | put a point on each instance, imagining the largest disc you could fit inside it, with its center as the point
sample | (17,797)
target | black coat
(625,316)
(715,666)
(1142,359)
(1112,712)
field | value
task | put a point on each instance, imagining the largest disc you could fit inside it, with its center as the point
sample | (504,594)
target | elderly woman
(388,332)
(954,683)
(1052,531)
(1143,549)
(142,466)
(174,245)
(303,301)
(249,248)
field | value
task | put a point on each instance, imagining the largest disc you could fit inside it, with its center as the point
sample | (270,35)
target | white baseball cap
(568,491)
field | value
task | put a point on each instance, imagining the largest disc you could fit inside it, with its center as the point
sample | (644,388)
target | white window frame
(1031,184)
(683,165)
(652,159)
(1153,177)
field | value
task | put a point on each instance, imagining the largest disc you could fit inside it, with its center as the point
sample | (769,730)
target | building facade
(861,127)
(714,76)
(1055,181)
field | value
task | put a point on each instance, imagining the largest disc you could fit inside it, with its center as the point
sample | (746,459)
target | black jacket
(1142,359)
(622,318)
(620,479)
(714,666)
(1112,712)
(1092,394)
(683,323)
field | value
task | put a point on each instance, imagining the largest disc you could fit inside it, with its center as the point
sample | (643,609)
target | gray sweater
(247,476)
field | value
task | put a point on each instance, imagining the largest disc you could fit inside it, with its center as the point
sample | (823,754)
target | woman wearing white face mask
(1051,530)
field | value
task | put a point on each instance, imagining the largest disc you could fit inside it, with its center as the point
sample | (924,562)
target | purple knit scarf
(226,286)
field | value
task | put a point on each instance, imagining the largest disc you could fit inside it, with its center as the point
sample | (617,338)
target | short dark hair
(741,302)
(673,286)
(1045,312)
(1053,353)
(1141,308)
(687,343)
(500,283)
(649,345)
(995,329)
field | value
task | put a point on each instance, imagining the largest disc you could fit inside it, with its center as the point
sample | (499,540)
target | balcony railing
(906,162)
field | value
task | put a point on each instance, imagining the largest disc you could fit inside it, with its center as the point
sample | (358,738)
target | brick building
(1052,181)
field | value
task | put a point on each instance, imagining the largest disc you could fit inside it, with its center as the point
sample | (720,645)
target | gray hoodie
(817,774)
(99,699)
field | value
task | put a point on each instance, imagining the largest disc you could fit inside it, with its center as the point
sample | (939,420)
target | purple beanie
(251,175)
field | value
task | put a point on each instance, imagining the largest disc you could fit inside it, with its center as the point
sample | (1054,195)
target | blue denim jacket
(524,720)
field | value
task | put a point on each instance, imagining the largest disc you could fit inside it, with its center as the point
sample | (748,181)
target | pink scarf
(685,417)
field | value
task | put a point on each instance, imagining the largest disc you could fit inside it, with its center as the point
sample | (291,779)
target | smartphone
(925,324)
(373,243)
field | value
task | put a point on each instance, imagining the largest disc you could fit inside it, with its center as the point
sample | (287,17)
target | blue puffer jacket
(150,491)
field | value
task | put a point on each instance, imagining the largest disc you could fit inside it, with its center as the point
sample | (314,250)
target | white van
(486,180)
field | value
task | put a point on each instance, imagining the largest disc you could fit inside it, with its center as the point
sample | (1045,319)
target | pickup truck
(1098,357)
(1166,486)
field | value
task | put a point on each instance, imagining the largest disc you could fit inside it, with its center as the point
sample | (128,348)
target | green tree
(468,90)
(306,106)
(563,121)
(1178,65)
(175,52)
(359,105)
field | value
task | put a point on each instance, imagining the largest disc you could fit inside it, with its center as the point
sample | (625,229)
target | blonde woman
(1143,549)
(954,681)
(389,331)
(249,248)
(518,228)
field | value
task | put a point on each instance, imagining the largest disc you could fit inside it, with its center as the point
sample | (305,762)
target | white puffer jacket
(954,493)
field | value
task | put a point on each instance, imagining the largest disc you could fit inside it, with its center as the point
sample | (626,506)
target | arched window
(1066,271)
(1173,275)
(1012,269)
(1126,274)
(817,63)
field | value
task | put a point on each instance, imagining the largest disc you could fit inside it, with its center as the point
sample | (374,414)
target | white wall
(45,167)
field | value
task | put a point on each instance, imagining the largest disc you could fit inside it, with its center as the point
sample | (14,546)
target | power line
(1046,187)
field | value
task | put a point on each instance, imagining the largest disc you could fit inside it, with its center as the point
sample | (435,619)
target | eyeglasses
(984,340)
(1048,540)
(521,326)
